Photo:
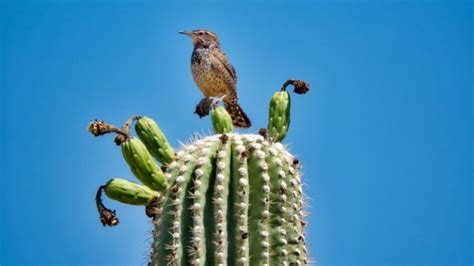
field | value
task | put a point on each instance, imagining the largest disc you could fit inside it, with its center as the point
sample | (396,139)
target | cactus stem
(120,138)
(107,216)
(126,126)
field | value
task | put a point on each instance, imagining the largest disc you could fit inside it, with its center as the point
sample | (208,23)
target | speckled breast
(210,75)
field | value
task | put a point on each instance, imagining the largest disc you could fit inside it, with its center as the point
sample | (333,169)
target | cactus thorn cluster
(225,199)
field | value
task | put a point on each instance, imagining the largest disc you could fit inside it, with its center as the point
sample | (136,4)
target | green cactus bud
(154,139)
(129,192)
(142,165)
(279,116)
(221,120)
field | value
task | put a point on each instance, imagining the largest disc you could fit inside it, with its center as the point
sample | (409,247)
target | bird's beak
(186,33)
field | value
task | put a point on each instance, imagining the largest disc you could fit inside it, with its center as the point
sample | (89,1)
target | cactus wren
(214,75)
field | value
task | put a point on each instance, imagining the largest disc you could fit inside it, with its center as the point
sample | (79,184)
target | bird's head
(202,37)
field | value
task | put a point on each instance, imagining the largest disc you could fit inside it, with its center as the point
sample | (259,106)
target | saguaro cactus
(226,199)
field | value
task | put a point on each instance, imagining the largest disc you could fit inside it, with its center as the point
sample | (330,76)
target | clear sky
(385,134)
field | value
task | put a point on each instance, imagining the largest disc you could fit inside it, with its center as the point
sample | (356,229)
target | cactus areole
(226,199)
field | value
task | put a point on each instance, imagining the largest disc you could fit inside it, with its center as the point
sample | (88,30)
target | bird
(214,75)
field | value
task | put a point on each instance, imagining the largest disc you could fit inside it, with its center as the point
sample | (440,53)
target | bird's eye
(201,33)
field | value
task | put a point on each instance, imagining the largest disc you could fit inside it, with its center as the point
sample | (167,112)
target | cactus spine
(226,199)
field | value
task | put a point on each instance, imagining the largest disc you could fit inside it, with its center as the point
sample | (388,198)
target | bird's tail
(239,118)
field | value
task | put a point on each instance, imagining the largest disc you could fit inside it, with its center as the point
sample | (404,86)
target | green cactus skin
(239,196)
(279,116)
(142,165)
(280,206)
(129,192)
(221,120)
(231,202)
(155,141)
(293,215)
(259,199)
(219,198)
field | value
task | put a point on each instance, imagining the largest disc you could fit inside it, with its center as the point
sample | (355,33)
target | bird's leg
(217,100)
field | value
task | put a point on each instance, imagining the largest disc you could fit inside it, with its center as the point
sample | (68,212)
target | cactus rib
(219,198)
(201,231)
(279,208)
(239,205)
(293,215)
(259,199)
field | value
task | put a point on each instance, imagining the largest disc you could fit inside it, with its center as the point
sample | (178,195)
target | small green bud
(221,120)
(279,116)
(129,192)
(142,165)
(150,133)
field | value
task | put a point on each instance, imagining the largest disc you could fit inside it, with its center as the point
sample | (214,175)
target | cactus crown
(226,199)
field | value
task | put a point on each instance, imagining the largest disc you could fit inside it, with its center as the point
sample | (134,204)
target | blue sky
(385,134)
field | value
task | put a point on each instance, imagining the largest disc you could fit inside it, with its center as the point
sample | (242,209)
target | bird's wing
(225,62)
